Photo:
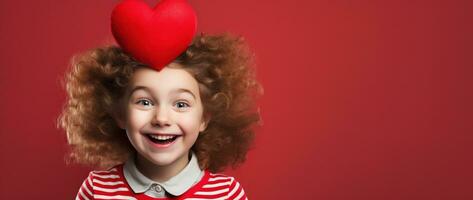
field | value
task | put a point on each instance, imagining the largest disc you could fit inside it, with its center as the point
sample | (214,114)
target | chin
(165,158)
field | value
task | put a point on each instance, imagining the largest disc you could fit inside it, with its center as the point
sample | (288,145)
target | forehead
(164,81)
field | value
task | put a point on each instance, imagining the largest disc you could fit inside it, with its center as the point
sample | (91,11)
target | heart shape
(154,36)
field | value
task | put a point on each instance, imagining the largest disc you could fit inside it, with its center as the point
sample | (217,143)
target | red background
(363,99)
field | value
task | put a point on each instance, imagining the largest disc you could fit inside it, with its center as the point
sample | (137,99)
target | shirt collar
(176,186)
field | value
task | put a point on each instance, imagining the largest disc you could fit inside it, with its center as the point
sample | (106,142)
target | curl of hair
(221,64)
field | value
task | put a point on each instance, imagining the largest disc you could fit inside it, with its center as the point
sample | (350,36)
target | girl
(162,134)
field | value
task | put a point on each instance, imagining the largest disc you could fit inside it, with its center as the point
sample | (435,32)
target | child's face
(164,114)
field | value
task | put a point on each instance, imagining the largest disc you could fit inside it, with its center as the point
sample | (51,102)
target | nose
(161,117)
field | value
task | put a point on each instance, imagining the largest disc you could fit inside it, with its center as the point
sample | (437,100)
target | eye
(182,105)
(144,102)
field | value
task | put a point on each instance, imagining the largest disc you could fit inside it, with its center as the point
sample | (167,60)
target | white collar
(175,186)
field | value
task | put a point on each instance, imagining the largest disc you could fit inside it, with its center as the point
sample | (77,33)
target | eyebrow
(178,90)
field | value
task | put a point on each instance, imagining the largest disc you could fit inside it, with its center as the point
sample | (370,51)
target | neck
(160,173)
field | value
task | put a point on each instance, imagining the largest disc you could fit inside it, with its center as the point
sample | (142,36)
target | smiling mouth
(162,139)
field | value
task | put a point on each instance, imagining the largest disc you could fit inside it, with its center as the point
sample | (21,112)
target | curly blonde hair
(221,64)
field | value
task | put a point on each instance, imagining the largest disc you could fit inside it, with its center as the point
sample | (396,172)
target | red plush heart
(154,36)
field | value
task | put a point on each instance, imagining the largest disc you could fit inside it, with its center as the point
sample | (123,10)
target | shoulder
(106,178)
(224,184)
(103,183)
(112,173)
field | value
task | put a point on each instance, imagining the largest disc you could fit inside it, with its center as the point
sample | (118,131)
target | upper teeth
(161,137)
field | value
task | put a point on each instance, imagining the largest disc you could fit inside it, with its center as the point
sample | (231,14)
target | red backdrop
(363,99)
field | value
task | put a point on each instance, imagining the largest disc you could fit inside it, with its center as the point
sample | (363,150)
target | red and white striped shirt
(111,184)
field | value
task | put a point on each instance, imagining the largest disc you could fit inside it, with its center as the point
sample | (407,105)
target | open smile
(162,141)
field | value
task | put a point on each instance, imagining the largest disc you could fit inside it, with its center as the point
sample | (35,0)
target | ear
(205,122)
(118,116)
(120,123)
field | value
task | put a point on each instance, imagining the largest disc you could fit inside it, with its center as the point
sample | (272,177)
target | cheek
(137,119)
(190,123)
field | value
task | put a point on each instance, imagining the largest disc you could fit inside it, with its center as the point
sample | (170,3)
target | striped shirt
(111,184)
